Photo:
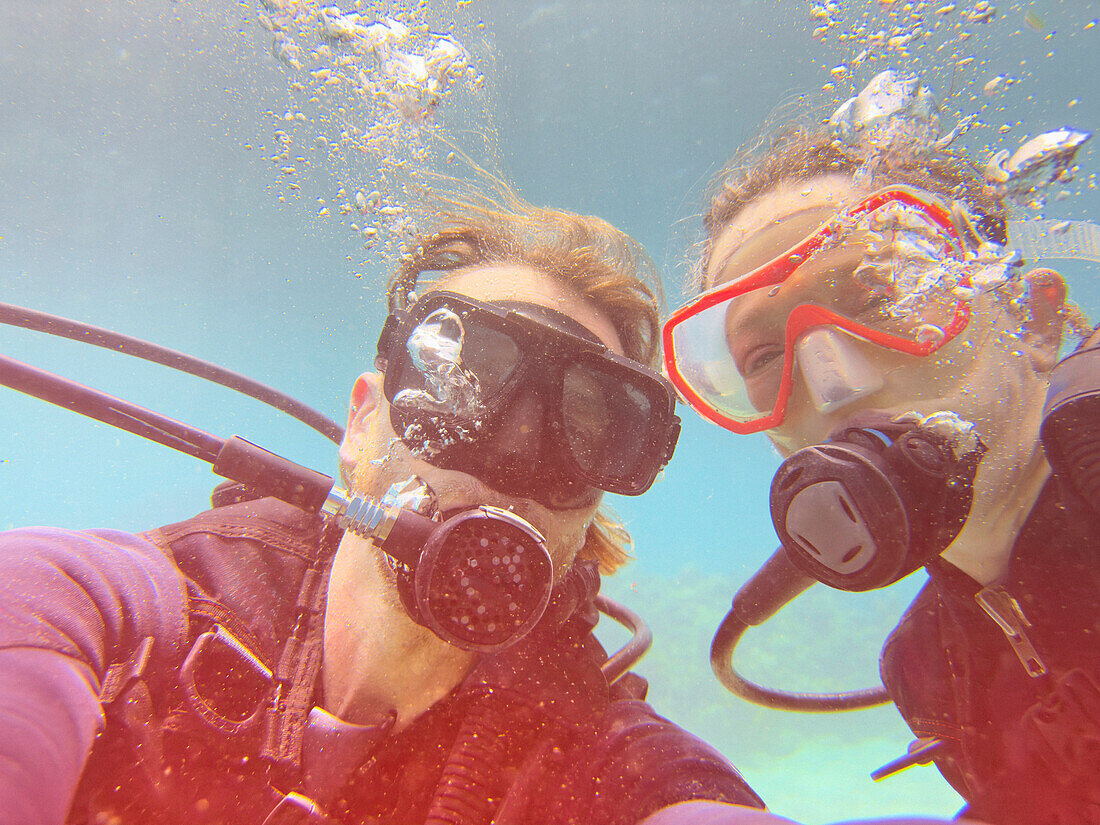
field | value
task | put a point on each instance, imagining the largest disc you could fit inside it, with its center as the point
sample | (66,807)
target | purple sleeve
(71,605)
(713,813)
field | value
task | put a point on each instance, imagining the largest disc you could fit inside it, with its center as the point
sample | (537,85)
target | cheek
(380,460)
(564,532)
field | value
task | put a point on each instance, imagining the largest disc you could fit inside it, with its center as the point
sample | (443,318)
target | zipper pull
(920,753)
(1008,615)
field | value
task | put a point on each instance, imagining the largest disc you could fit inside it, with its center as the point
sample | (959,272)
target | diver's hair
(587,254)
(800,151)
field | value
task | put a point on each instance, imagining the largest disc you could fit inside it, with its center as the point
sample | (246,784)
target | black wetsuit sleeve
(71,605)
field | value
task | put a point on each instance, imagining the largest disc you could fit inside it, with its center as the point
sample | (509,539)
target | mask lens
(704,362)
(888,276)
(460,379)
(491,355)
(448,374)
(607,419)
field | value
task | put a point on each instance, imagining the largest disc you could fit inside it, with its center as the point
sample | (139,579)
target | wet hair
(798,152)
(587,254)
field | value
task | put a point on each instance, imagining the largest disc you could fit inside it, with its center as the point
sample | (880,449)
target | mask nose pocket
(835,372)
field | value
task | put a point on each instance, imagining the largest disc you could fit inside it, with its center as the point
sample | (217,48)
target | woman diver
(861,301)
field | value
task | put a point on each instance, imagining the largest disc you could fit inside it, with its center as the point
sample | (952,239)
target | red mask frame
(807,316)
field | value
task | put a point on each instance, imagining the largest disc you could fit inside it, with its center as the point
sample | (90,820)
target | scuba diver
(863,299)
(259,664)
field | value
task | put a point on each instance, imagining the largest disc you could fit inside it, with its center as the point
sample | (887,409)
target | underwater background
(138,192)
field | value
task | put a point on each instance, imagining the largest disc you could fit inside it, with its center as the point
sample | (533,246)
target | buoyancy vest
(235,736)
(1014,699)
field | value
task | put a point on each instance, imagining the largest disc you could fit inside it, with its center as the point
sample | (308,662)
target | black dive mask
(525,399)
(874,503)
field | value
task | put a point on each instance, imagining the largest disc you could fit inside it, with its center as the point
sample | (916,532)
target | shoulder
(914,664)
(39,549)
(916,628)
(83,593)
(246,561)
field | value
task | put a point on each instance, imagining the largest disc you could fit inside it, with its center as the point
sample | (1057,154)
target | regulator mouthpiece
(872,504)
(480,579)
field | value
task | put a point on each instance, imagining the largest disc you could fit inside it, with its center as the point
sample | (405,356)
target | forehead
(519,282)
(781,217)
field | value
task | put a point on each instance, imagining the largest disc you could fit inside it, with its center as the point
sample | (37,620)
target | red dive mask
(889,271)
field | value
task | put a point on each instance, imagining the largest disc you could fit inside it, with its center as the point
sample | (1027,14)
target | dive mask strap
(1058,240)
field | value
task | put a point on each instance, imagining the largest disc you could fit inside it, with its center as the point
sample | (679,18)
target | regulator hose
(36,321)
(776,584)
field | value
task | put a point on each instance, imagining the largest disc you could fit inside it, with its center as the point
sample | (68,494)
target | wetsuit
(1020,717)
(171,677)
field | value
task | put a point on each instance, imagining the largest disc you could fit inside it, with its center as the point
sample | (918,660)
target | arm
(1071,420)
(71,605)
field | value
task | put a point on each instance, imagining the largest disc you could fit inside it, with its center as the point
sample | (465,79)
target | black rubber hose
(472,775)
(776,584)
(108,409)
(233,458)
(77,331)
(640,642)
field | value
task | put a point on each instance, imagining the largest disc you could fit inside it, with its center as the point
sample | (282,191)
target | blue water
(134,195)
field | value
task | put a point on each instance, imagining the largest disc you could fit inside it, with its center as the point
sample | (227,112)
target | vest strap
(299,663)
(121,674)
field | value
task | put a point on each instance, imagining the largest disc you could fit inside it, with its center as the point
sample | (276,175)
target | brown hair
(797,152)
(586,253)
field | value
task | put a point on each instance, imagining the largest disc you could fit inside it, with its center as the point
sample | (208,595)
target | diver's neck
(376,659)
(1004,494)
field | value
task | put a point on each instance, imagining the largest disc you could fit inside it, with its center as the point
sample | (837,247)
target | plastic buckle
(202,679)
(120,675)
(1009,616)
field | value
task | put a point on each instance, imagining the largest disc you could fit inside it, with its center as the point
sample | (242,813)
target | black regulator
(874,503)
(861,511)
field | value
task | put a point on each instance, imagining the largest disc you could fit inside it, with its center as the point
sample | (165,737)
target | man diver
(863,306)
(255,665)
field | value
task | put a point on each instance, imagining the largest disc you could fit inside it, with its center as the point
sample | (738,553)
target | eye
(759,359)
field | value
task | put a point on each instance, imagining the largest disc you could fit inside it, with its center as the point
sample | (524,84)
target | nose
(519,432)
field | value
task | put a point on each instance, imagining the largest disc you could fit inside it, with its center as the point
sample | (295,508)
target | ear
(366,395)
(1045,299)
